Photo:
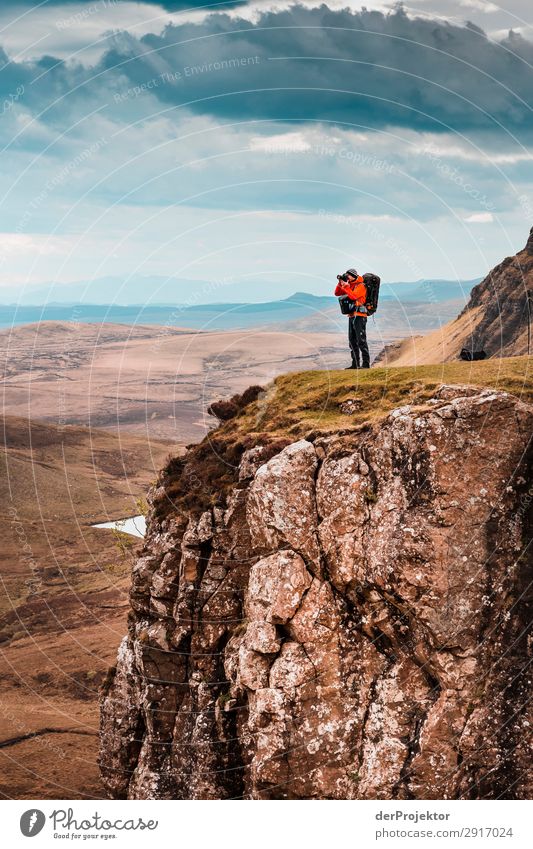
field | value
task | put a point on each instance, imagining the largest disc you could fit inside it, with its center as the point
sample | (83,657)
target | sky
(263,141)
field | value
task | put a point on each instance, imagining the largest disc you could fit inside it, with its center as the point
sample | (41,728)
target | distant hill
(495,319)
(156,290)
(229,315)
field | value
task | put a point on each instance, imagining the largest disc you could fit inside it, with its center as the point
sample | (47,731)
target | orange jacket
(356,293)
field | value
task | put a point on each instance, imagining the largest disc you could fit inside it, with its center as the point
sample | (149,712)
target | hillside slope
(495,319)
(337,616)
(62,613)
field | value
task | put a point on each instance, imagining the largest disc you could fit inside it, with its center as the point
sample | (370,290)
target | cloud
(480,218)
(365,68)
(169,5)
(205,138)
(280,143)
(181,5)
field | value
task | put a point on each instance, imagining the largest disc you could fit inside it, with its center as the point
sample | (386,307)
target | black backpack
(371,282)
(468,355)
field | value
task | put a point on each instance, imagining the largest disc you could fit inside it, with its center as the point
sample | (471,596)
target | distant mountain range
(157,291)
(318,311)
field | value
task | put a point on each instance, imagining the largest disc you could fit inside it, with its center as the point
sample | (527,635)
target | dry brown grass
(306,404)
(296,405)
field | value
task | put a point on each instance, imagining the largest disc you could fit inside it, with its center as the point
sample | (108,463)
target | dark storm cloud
(364,68)
(170,5)
(367,67)
(180,5)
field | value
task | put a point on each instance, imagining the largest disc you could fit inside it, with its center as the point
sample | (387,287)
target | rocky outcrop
(504,302)
(351,622)
(497,319)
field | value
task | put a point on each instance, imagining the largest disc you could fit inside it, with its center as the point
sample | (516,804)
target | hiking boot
(353,365)
(366,365)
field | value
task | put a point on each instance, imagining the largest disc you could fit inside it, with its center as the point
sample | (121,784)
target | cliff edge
(346,617)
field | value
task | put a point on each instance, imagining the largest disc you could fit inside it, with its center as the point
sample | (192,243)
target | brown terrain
(159,381)
(64,598)
(64,595)
(107,404)
(497,319)
(149,380)
(334,597)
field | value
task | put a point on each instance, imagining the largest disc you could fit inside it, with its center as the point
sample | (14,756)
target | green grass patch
(303,402)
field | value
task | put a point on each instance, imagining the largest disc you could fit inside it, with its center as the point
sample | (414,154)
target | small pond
(135,525)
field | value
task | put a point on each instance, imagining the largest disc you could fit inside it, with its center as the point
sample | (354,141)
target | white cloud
(451,148)
(480,218)
(78,30)
(483,6)
(21,244)
(282,143)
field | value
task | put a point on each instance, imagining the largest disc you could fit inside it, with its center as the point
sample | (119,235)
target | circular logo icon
(32,822)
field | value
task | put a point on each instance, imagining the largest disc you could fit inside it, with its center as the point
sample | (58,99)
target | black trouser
(357,340)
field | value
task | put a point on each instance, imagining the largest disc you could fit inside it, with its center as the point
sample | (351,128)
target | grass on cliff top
(301,403)
(307,404)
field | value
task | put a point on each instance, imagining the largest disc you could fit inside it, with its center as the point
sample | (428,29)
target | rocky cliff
(495,319)
(504,301)
(345,617)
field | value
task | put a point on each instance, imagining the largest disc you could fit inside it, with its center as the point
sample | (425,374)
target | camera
(343,277)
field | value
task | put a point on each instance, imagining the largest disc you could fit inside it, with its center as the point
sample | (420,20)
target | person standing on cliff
(353,286)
